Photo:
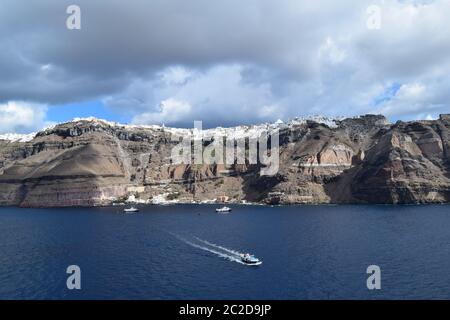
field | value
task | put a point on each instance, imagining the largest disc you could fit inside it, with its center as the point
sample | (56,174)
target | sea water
(192,252)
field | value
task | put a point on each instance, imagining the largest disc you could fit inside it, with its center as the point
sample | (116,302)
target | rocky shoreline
(91,162)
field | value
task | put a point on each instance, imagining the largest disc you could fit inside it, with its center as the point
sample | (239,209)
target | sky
(222,62)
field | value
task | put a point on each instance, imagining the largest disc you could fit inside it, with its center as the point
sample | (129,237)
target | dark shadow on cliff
(256,187)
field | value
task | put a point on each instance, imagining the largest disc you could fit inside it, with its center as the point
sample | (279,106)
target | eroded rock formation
(358,160)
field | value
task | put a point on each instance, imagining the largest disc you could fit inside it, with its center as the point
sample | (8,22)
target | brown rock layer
(360,160)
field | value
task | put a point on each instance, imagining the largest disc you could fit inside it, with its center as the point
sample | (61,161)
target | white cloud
(414,91)
(21,117)
(334,66)
(330,52)
(217,96)
(176,75)
(231,61)
(415,101)
(170,111)
(269,112)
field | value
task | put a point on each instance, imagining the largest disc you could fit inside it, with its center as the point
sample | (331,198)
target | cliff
(358,160)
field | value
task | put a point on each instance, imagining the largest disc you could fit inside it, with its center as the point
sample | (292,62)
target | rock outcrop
(359,160)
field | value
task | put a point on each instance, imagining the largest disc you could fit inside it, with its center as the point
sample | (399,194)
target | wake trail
(218,253)
(234,252)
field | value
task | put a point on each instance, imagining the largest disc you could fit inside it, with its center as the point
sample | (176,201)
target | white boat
(249,259)
(130,210)
(223,209)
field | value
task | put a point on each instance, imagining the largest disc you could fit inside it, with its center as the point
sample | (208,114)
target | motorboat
(247,258)
(131,210)
(223,209)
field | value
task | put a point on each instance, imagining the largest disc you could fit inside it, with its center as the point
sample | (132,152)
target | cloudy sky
(225,62)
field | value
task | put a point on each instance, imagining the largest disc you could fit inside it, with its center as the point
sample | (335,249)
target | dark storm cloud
(119,39)
(256,59)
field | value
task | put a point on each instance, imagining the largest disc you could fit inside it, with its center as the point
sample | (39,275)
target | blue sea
(189,252)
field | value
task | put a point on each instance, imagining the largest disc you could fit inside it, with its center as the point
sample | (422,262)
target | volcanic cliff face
(359,160)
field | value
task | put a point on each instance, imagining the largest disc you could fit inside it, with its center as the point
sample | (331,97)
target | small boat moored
(223,209)
(250,259)
(131,210)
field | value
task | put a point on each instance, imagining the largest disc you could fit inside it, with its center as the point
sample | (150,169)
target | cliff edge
(90,162)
